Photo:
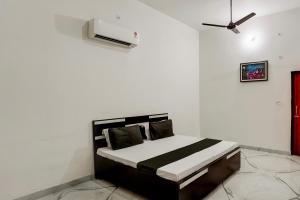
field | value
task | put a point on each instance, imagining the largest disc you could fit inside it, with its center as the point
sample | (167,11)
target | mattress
(175,171)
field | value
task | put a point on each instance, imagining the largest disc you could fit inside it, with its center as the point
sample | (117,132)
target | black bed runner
(151,165)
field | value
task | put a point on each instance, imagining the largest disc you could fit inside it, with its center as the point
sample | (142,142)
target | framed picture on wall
(254,71)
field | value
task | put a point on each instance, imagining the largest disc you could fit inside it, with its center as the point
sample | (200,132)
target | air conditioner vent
(112,40)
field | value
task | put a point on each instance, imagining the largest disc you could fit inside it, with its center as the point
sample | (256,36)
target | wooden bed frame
(195,186)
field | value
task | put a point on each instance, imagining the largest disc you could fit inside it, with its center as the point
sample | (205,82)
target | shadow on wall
(81,161)
(78,28)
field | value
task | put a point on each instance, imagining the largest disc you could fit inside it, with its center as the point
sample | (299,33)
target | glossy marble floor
(263,176)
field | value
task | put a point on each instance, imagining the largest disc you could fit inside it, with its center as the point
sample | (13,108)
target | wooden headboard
(99,140)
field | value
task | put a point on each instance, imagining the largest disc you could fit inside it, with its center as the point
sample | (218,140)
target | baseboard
(54,189)
(266,150)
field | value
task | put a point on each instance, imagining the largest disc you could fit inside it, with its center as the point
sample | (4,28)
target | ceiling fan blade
(235,30)
(244,19)
(215,25)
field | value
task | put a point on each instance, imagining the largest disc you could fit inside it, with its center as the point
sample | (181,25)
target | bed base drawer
(192,179)
(233,154)
(216,173)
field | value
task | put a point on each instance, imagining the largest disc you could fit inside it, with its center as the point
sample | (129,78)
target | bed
(191,176)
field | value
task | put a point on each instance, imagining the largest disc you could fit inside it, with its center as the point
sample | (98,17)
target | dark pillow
(125,137)
(143,131)
(161,129)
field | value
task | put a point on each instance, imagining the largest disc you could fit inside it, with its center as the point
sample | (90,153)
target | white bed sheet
(175,171)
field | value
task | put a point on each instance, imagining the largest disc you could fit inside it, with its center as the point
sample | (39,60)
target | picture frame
(254,71)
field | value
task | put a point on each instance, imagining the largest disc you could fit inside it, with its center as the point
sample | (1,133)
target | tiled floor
(263,176)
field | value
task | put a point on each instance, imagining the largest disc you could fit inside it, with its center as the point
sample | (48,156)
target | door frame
(293,74)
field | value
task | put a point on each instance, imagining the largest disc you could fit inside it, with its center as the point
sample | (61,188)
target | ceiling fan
(232,26)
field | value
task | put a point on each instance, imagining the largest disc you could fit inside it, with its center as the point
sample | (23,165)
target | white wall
(255,114)
(54,82)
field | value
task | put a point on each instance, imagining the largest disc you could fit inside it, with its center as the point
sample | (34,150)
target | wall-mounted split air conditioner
(102,31)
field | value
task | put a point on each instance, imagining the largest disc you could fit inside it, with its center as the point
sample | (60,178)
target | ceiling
(194,12)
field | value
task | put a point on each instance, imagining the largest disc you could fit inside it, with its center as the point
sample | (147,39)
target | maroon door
(296,113)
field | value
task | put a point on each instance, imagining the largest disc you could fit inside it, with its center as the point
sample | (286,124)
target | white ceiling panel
(194,12)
